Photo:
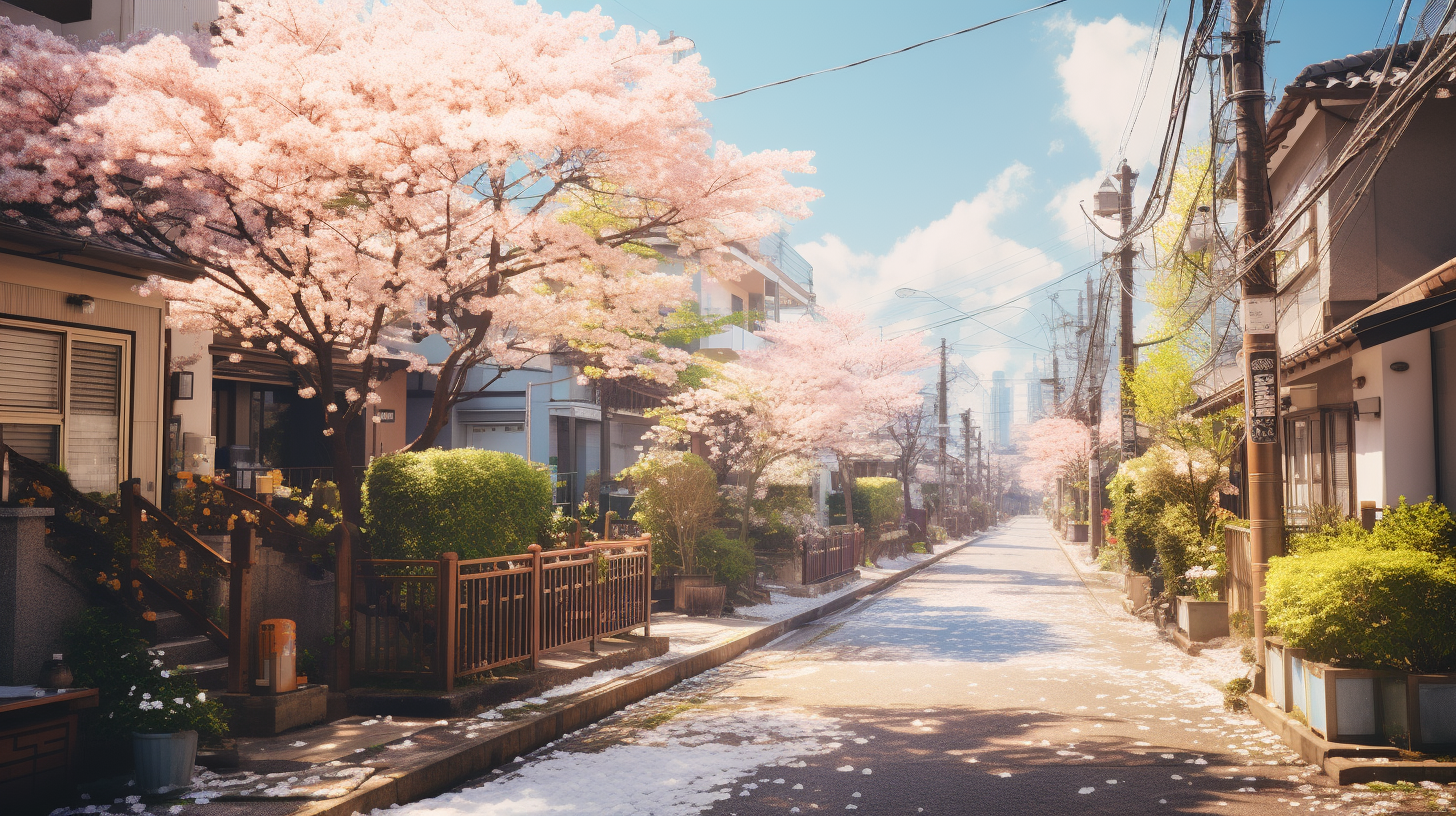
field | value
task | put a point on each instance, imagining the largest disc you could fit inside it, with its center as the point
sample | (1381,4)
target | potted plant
(162,715)
(677,502)
(1202,616)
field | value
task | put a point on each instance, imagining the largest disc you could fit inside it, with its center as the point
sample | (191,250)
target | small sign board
(1263,396)
(1129,432)
(385,414)
(1258,315)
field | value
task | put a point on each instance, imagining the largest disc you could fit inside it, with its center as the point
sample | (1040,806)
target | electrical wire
(856,63)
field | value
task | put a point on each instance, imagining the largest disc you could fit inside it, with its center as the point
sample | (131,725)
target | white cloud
(1056,147)
(1103,79)
(1068,202)
(961,259)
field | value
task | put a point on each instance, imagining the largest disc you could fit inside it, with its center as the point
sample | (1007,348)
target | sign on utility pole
(1261,348)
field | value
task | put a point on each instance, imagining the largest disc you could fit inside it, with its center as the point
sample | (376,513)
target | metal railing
(1239,582)
(442,620)
(832,555)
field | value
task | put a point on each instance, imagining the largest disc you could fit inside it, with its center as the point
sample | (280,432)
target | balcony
(727,344)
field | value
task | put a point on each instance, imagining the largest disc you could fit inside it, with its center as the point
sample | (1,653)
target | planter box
(1202,621)
(680,586)
(705,600)
(1352,705)
(1139,591)
(1077,533)
(1431,710)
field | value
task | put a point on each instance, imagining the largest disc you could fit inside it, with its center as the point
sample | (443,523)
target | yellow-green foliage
(877,499)
(1372,608)
(677,501)
(473,502)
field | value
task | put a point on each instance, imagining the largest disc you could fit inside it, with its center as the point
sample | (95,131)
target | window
(1317,463)
(61,398)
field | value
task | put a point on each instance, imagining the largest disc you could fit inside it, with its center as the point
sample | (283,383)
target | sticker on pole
(1257,315)
(1263,397)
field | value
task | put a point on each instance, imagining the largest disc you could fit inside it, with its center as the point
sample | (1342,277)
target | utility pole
(1126,363)
(1261,347)
(966,464)
(1094,418)
(944,430)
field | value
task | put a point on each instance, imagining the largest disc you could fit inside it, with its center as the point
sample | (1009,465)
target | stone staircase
(187,651)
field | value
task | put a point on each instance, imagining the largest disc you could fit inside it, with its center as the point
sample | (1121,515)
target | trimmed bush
(728,559)
(476,503)
(677,501)
(877,499)
(1383,608)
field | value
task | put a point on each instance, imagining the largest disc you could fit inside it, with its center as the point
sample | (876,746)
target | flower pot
(164,761)
(705,600)
(1077,533)
(1202,621)
(680,586)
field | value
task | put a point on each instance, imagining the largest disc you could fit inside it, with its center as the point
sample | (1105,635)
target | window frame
(59,418)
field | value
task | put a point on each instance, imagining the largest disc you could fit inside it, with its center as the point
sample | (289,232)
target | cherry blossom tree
(338,170)
(873,381)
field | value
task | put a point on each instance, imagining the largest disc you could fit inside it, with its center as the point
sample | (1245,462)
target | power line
(893,53)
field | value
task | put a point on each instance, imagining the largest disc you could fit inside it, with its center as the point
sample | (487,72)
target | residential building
(1366,304)
(83,358)
(93,19)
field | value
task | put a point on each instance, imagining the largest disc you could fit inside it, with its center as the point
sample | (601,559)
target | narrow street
(995,682)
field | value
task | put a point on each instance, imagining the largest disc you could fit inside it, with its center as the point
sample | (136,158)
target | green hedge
(473,502)
(1368,608)
(877,499)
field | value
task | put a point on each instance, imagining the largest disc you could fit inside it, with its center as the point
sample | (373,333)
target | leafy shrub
(677,501)
(1426,526)
(728,559)
(1134,523)
(877,499)
(474,502)
(137,693)
(1386,608)
(1234,691)
(1178,542)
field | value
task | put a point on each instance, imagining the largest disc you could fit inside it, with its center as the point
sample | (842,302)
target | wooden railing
(442,620)
(832,555)
(1239,582)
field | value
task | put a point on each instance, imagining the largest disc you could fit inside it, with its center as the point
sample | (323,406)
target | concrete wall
(39,594)
(1395,453)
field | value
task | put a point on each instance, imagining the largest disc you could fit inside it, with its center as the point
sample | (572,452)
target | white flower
(307,392)
(235,358)
(178,700)
(328,431)
(202,696)
(166,673)
(147,696)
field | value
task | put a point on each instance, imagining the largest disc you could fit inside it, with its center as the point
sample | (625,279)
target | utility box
(277,657)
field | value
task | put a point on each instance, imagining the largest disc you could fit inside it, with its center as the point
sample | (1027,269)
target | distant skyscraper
(998,411)
(1035,393)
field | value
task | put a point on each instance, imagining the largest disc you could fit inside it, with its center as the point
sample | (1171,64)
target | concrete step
(210,675)
(187,651)
(168,626)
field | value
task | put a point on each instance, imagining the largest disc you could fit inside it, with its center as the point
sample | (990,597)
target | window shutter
(95,378)
(30,369)
(36,442)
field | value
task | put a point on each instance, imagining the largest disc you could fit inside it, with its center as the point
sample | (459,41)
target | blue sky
(957,167)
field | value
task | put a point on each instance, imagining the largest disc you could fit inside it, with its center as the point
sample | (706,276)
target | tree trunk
(343,463)
(747,507)
(847,478)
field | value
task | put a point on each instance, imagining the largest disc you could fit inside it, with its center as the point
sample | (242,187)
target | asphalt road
(995,682)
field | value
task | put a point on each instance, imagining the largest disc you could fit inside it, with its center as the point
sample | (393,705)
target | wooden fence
(447,619)
(832,555)
(1239,582)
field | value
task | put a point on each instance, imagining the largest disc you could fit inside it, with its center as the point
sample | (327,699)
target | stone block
(39,594)
(269,715)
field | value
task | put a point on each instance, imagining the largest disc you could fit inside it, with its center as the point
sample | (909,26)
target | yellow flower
(207,511)
(43,491)
(101,578)
(136,584)
(149,616)
(114,584)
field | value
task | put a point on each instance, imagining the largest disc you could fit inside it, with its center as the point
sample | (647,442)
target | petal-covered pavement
(995,682)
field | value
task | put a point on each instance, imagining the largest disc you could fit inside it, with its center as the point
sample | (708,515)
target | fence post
(343,606)
(240,608)
(535,550)
(647,590)
(133,513)
(447,607)
(5,478)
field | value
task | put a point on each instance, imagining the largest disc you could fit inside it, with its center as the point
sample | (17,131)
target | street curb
(465,762)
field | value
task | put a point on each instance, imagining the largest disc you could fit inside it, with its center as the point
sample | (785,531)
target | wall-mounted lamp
(1399,366)
(1359,383)
(85,303)
(181,385)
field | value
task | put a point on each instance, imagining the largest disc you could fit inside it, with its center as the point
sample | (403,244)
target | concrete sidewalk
(408,758)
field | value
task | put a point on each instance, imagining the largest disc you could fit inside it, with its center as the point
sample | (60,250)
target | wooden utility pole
(966,464)
(944,430)
(1126,362)
(1094,418)
(1261,348)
